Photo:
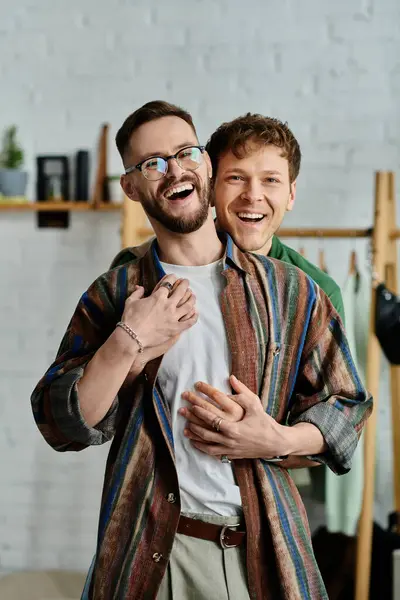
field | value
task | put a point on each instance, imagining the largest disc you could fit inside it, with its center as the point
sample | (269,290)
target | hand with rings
(216,423)
(219,406)
(159,319)
(232,427)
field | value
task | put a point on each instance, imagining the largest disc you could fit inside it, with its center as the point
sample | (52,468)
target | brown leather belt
(224,535)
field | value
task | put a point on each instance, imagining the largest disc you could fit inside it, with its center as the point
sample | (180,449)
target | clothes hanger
(321,256)
(353,267)
(301,249)
(354,271)
(321,260)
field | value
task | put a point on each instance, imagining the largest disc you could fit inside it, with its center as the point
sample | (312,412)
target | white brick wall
(48,501)
(331,69)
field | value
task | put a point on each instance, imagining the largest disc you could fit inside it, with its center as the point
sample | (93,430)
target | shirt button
(171,498)
(276,351)
(157,557)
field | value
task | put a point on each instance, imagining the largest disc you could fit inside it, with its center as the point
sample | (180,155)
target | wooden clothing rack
(384,269)
(383,234)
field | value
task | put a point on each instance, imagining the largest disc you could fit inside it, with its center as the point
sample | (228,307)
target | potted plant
(13,180)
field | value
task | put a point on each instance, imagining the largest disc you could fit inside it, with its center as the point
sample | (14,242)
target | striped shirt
(288,346)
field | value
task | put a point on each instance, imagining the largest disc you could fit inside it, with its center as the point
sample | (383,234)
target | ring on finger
(216,424)
(167,284)
(225,459)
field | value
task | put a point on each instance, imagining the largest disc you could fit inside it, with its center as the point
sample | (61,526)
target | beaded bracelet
(130,332)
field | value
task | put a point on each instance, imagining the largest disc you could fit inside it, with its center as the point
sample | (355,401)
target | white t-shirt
(207,485)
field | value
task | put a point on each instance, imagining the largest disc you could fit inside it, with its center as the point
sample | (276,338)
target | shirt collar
(233,257)
(276,248)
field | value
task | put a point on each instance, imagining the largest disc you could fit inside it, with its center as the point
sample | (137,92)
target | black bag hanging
(387,323)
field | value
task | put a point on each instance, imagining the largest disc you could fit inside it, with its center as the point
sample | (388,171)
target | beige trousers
(202,570)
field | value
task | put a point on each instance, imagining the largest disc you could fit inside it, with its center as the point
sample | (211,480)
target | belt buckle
(222,536)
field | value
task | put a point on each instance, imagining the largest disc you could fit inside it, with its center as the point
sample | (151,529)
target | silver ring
(167,285)
(225,459)
(217,423)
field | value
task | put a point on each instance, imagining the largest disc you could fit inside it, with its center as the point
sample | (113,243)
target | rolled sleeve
(67,414)
(328,392)
(338,433)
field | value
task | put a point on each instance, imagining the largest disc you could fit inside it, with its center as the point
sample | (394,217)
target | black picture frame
(53,185)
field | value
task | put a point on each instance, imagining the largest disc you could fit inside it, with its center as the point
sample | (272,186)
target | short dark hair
(146,113)
(239,136)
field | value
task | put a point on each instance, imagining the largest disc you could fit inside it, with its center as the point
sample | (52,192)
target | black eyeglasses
(156,167)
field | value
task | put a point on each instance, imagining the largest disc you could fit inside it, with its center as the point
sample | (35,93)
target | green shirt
(325,282)
(279,251)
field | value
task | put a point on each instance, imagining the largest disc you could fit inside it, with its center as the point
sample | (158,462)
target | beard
(187,223)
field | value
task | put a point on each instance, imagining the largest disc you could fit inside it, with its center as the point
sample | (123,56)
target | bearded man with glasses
(156,168)
(189,512)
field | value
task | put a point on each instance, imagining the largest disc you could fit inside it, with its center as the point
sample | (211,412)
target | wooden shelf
(57,206)
(108,207)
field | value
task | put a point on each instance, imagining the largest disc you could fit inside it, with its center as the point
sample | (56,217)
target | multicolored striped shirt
(288,346)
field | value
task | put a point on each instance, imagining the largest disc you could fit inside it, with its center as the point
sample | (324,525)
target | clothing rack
(384,268)
(324,233)
(333,233)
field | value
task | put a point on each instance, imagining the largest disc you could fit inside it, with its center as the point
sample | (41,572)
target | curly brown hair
(240,135)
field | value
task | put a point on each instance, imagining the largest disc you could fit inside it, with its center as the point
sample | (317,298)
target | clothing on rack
(343,495)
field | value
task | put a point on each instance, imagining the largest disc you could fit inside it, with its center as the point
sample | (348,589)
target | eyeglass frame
(166,158)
